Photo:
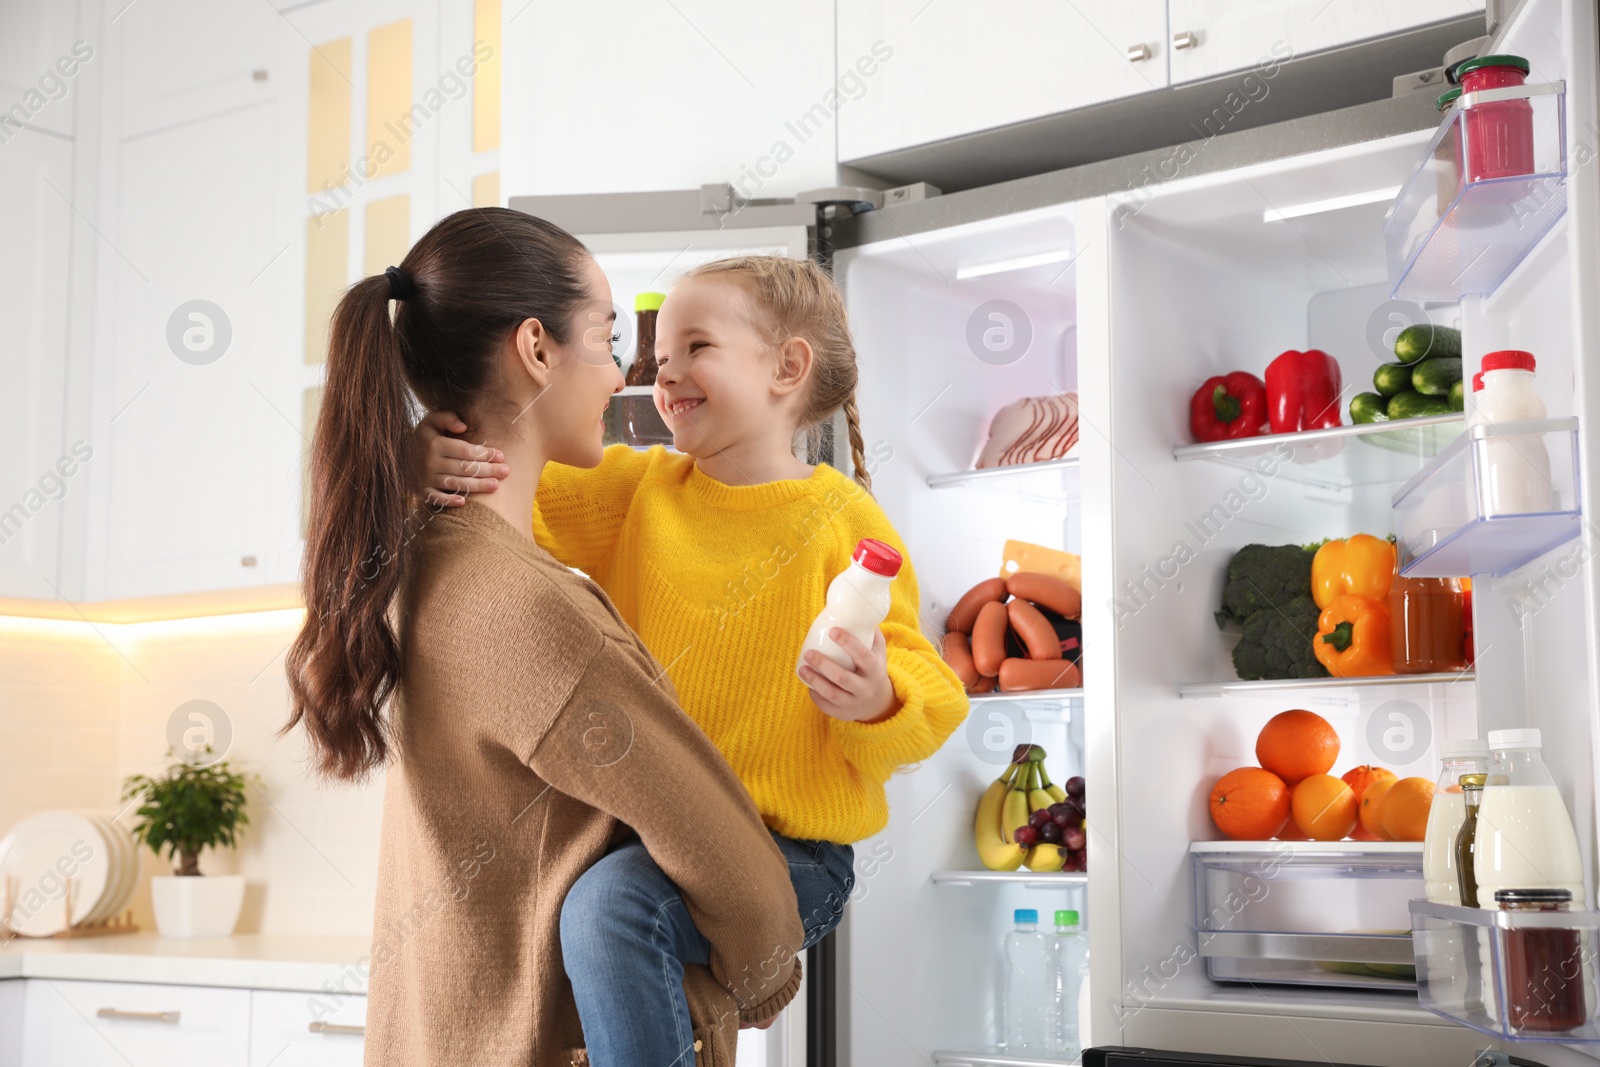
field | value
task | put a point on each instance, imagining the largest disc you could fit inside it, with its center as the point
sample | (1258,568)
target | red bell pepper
(1228,406)
(1303,391)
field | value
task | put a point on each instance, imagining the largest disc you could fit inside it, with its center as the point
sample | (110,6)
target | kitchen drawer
(11,999)
(306,1029)
(118,1024)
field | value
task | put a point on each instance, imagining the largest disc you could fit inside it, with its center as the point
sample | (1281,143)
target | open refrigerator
(1129,298)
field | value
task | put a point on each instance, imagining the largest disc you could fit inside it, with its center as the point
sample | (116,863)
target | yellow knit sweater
(722,582)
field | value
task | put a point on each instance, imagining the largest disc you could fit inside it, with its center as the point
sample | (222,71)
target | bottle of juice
(1441,882)
(858,601)
(1525,838)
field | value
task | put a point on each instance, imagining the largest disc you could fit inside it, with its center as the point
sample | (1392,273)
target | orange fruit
(1358,778)
(1372,809)
(1405,809)
(1250,804)
(1361,833)
(1297,744)
(1324,807)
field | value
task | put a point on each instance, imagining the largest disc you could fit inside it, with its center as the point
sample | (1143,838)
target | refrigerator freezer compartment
(1497,497)
(1490,186)
(1525,976)
(1338,458)
(1306,912)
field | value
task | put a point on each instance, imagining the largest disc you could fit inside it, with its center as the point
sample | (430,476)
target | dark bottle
(1472,794)
(645,307)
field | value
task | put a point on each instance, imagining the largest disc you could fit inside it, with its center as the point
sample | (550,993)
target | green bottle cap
(648,301)
(1066,918)
(1447,98)
(1480,62)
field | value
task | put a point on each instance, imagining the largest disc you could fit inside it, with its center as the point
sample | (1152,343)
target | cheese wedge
(1022,558)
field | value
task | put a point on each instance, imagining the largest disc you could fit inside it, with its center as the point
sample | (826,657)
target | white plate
(36,853)
(118,882)
(130,867)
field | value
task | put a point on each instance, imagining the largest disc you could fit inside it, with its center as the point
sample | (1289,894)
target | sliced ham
(1032,430)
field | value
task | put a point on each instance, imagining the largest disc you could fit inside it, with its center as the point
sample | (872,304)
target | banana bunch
(1008,806)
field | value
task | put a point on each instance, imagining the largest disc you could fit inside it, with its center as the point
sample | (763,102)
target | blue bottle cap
(1025,915)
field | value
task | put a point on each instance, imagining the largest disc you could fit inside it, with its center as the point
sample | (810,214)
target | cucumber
(1368,407)
(1434,377)
(1458,397)
(1426,341)
(1408,405)
(1391,378)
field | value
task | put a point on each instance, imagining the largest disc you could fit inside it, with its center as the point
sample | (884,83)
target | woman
(506,781)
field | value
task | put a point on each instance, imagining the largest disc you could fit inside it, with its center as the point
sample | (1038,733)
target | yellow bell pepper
(1363,565)
(1353,637)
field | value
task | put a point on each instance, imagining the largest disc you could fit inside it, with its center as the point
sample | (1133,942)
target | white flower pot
(197,906)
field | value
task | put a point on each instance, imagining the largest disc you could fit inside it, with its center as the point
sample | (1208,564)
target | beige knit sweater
(533,730)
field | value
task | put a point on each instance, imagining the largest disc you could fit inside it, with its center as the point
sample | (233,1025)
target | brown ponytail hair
(798,299)
(474,277)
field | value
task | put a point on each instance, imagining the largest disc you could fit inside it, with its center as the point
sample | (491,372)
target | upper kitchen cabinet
(926,72)
(614,96)
(41,53)
(183,60)
(1216,37)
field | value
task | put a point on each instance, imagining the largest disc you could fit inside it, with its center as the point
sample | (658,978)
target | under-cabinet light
(1000,266)
(1317,207)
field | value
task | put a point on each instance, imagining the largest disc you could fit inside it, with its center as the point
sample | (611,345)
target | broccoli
(1261,576)
(1278,642)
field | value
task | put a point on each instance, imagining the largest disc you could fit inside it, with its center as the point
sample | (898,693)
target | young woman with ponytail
(524,729)
(720,554)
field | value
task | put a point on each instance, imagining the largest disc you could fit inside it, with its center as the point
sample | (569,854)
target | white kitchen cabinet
(306,1029)
(186,59)
(117,1024)
(1214,37)
(936,77)
(669,96)
(39,65)
(13,995)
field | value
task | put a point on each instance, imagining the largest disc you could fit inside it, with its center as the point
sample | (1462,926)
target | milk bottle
(858,601)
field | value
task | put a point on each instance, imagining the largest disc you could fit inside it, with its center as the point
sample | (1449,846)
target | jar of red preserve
(1499,133)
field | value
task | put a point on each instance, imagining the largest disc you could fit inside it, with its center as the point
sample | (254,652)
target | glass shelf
(1340,457)
(1237,686)
(1026,879)
(1054,697)
(1491,185)
(1517,976)
(989,1056)
(952,478)
(1501,495)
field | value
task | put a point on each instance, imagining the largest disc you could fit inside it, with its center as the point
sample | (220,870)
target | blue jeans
(626,936)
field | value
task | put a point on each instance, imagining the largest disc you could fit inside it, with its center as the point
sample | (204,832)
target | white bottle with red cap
(1516,471)
(858,601)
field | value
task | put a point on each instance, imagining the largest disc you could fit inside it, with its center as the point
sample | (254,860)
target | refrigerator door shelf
(1460,226)
(1240,687)
(1338,458)
(1025,879)
(1480,967)
(1499,496)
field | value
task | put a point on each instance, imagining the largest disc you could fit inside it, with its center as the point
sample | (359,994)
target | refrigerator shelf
(1499,496)
(1237,686)
(1052,697)
(1026,879)
(952,478)
(991,1057)
(1525,976)
(1460,227)
(1338,458)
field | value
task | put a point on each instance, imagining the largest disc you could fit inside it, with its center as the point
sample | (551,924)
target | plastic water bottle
(1085,1002)
(1025,985)
(1065,953)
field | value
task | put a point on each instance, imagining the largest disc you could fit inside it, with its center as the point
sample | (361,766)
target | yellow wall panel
(327,274)
(390,125)
(486,83)
(310,404)
(388,226)
(486,190)
(328,119)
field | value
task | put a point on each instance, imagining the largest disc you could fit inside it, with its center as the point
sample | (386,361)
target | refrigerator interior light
(1000,266)
(1317,207)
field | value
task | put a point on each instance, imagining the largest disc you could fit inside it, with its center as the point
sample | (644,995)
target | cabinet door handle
(146,1016)
(1138,53)
(1183,40)
(336,1028)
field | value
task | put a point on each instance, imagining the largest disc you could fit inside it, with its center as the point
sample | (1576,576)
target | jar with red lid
(1499,133)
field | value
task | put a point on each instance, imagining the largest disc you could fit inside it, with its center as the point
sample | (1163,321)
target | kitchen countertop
(293,962)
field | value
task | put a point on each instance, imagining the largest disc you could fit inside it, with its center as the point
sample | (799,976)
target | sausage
(1034,630)
(989,639)
(958,654)
(982,685)
(1022,674)
(965,613)
(1047,591)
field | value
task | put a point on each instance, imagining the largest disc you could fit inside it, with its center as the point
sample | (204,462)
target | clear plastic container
(1525,837)
(1066,952)
(1499,132)
(1025,986)
(1441,881)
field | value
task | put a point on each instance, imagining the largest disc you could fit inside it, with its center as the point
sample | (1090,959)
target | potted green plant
(196,804)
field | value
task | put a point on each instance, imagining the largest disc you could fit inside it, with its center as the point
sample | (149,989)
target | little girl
(719,555)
